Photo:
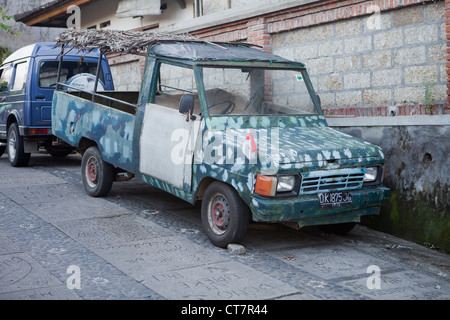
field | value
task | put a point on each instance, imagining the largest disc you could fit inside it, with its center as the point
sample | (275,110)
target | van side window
(21,76)
(48,72)
(5,78)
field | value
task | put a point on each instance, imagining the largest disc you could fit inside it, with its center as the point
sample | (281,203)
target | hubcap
(12,145)
(218,214)
(92,172)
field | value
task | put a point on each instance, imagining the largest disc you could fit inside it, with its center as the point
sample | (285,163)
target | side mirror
(186,104)
(187,107)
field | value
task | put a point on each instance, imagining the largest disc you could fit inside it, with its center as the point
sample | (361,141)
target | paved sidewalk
(141,243)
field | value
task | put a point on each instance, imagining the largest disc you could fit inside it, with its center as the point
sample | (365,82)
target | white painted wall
(105,10)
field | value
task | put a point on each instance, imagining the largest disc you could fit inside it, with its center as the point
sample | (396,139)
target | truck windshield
(257,91)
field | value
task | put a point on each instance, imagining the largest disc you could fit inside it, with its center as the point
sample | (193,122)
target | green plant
(3,54)
(429,96)
(431,246)
(4,27)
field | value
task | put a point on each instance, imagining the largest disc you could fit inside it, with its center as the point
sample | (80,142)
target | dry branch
(132,42)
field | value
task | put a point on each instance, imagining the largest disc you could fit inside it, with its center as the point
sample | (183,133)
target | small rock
(236,249)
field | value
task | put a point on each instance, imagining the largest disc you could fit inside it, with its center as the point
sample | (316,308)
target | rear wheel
(225,217)
(97,175)
(16,155)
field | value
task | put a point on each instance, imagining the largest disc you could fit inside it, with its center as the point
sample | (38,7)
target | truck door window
(48,71)
(174,82)
(20,77)
(5,78)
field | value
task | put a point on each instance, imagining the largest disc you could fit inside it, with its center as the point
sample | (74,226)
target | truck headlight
(285,183)
(270,186)
(371,174)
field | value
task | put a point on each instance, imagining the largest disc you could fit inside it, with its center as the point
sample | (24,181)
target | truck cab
(27,82)
(235,128)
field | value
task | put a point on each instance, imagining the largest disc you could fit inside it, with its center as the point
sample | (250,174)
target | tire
(225,217)
(16,155)
(97,175)
(340,228)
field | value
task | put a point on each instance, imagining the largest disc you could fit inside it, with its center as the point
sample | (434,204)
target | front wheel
(97,175)
(16,155)
(225,217)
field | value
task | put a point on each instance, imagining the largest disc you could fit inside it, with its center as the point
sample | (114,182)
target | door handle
(40,97)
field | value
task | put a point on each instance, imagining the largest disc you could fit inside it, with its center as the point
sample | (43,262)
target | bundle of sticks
(132,42)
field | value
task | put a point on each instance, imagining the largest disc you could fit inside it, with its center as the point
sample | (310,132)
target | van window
(48,71)
(21,76)
(5,77)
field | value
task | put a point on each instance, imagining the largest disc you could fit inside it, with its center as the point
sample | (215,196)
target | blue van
(27,81)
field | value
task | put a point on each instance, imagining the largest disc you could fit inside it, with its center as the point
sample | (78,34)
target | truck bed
(108,123)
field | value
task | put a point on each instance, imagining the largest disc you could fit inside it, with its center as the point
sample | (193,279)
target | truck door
(167,141)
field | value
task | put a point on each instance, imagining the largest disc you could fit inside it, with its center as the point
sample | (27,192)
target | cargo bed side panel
(74,118)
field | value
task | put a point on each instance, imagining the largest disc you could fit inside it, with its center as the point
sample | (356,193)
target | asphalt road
(142,243)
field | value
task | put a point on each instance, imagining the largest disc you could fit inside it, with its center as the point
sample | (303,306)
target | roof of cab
(45,49)
(173,46)
(207,51)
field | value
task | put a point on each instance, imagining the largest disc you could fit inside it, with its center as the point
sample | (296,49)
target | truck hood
(301,147)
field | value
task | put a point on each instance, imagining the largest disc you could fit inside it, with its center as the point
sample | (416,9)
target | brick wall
(366,58)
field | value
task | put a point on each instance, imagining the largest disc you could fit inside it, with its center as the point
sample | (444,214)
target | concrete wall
(28,35)
(417,171)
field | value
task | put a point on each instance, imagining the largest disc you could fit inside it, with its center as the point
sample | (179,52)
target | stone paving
(142,243)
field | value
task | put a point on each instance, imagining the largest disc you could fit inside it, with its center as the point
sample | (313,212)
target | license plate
(335,199)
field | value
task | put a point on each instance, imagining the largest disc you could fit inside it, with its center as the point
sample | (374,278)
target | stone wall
(28,35)
(354,63)
(126,71)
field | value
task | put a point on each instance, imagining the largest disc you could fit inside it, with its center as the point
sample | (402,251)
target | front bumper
(305,210)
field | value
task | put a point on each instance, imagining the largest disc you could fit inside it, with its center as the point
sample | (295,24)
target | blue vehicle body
(27,83)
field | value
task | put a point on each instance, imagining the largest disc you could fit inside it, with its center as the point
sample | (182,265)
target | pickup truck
(235,128)
(27,82)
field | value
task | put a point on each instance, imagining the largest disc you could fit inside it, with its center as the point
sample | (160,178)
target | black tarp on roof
(215,52)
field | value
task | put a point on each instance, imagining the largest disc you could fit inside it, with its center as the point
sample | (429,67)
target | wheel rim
(91,172)
(218,214)
(12,145)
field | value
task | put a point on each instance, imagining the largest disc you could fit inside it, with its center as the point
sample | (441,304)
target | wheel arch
(85,144)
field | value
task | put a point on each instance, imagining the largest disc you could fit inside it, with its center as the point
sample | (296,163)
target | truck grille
(332,180)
